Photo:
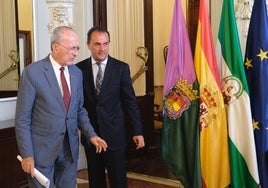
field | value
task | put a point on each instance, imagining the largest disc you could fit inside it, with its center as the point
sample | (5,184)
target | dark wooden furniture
(11,174)
(144,104)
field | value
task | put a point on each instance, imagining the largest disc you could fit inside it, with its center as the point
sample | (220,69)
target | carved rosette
(60,13)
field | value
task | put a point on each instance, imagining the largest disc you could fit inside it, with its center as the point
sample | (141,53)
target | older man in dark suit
(105,107)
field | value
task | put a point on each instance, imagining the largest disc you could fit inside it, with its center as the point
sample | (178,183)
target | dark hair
(97,29)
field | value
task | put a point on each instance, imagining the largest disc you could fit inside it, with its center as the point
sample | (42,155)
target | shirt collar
(55,64)
(104,62)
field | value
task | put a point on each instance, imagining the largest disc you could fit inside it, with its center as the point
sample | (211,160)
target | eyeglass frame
(71,49)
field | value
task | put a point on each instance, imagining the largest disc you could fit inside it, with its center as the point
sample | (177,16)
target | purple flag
(180,132)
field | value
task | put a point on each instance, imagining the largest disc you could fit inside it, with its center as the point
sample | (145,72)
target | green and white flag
(243,161)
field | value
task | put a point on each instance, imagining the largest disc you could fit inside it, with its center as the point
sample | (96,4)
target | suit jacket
(41,119)
(116,97)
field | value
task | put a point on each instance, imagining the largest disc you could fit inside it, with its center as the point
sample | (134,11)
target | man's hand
(27,165)
(139,141)
(99,143)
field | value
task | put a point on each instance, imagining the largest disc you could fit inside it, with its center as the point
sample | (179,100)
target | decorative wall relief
(60,13)
(243,9)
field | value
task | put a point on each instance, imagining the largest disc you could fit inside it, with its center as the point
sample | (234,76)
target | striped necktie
(66,92)
(99,79)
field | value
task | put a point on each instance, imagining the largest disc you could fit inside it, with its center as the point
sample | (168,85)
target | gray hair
(57,34)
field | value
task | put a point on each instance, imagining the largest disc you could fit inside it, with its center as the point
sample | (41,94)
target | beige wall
(25,15)
(162,17)
(216,6)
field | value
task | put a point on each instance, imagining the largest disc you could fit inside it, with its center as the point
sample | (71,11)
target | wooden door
(192,21)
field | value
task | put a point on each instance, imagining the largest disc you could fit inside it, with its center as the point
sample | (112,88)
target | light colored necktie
(99,79)
(66,92)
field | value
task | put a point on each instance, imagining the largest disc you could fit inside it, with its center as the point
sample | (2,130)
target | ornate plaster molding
(243,9)
(60,1)
(60,13)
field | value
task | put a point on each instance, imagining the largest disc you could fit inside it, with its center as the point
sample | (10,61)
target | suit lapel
(88,75)
(89,79)
(74,84)
(52,80)
(107,75)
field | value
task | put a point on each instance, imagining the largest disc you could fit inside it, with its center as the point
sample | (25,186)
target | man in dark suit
(105,109)
(47,127)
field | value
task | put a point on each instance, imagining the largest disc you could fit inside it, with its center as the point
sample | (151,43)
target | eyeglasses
(71,49)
